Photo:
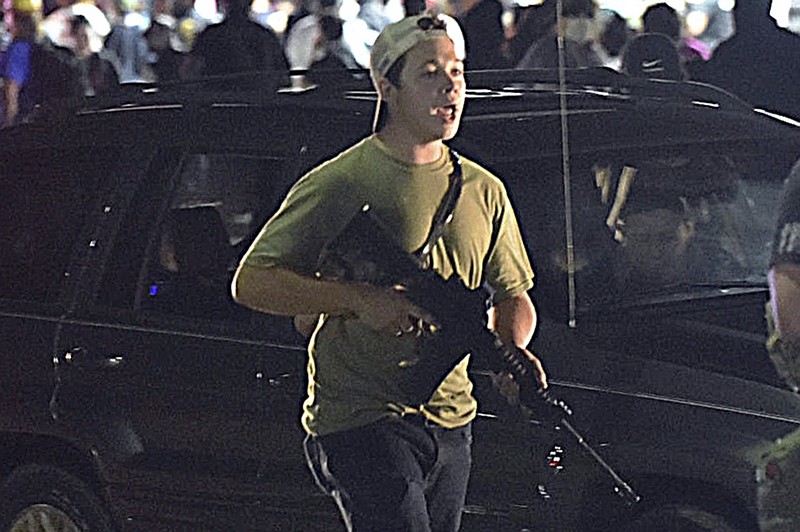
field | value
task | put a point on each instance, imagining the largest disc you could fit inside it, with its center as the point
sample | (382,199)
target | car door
(191,401)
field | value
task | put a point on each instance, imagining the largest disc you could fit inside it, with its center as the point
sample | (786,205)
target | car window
(46,196)
(188,226)
(660,222)
(649,222)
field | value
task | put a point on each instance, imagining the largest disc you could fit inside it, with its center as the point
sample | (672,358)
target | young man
(392,464)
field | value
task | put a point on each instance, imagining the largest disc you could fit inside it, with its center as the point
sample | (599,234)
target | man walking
(390,462)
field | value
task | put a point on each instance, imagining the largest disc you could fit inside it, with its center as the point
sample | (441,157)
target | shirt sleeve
(18,65)
(315,210)
(509,272)
(786,245)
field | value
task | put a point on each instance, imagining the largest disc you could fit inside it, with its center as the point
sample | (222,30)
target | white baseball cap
(399,37)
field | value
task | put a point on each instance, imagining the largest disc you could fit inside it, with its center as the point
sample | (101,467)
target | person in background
(98,75)
(652,55)
(784,279)
(615,35)
(166,60)
(578,16)
(126,48)
(301,41)
(236,45)
(390,461)
(663,19)
(57,28)
(482,23)
(760,63)
(778,488)
(15,62)
(330,55)
(362,21)
(530,23)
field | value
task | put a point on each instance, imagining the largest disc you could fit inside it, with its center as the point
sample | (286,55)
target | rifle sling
(445,210)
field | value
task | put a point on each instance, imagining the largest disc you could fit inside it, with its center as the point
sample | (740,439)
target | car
(137,395)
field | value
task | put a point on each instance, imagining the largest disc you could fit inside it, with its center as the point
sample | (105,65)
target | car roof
(510,114)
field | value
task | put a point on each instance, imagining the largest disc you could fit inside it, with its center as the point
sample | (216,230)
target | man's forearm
(284,292)
(12,102)
(514,320)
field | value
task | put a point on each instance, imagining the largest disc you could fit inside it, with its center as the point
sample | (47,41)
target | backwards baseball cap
(399,37)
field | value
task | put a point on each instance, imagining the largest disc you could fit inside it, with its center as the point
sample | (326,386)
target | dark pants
(397,474)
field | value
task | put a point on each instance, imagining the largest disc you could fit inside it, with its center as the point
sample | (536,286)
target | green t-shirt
(353,371)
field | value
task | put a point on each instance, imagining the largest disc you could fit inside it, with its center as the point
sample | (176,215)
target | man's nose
(452,83)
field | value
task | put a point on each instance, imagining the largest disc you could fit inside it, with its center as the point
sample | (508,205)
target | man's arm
(514,322)
(12,90)
(784,284)
(281,291)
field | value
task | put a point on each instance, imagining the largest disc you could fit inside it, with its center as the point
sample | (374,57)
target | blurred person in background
(237,44)
(300,42)
(784,283)
(15,61)
(760,63)
(778,488)
(529,24)
(363,20)
(652,56)
(34,70)
(578,17)
(126,48)
(330,54)
(481,22)
(615,35)
(57,28)
(98,75)
(5,36)
(663,19)
(166,60)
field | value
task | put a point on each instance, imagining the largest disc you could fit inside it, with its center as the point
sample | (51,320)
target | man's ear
(385,89)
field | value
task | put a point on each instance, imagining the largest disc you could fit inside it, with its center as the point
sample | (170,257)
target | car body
(134,384)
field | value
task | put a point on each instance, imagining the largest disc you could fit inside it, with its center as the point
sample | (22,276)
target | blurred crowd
(109,42)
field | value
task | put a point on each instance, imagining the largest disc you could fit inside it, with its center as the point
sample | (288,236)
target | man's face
(428,104)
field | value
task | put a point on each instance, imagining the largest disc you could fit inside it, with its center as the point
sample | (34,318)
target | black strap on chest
(444,213)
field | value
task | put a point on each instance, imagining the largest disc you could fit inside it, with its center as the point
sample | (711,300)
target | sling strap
(444,213)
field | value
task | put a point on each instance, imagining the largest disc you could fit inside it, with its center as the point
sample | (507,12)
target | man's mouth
(447,112)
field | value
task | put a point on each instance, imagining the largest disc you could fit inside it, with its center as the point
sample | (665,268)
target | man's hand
(507,385)
(389,310)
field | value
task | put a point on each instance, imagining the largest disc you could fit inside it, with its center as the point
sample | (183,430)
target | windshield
(649,223)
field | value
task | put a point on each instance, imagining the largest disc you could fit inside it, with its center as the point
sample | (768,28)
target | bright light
(780,12)
(726,5)
(697,22)
(207,9)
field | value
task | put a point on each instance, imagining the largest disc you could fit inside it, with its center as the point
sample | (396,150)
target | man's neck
(409,151)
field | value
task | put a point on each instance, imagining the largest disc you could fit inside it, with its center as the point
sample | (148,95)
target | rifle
(365,252)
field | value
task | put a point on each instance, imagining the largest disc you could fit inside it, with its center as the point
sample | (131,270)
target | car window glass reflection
(646,224)
(220,201)
(680,220)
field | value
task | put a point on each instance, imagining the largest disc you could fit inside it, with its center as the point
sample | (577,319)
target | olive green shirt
(354,371)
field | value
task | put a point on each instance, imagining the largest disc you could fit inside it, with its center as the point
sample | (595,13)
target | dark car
(136,395)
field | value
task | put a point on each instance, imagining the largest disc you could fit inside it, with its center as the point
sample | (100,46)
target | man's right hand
(390,310)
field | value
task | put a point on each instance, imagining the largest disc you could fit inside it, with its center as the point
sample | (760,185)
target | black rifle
(365,252)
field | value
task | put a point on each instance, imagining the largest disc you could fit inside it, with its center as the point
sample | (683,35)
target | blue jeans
(397,474)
